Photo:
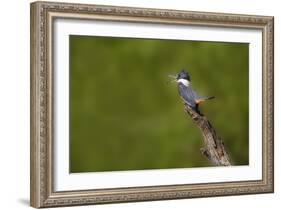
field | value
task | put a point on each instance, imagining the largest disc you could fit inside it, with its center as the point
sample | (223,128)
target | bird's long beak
(173,78)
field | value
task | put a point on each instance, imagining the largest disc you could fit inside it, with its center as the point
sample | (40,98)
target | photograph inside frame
(128,95)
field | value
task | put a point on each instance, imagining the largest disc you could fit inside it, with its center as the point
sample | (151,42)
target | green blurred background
(124,115)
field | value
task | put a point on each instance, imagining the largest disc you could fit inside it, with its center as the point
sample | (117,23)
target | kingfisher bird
(188,95)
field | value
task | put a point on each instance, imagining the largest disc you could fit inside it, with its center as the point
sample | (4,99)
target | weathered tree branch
(214,147)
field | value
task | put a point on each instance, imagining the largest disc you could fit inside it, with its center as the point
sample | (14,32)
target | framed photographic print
(135,104)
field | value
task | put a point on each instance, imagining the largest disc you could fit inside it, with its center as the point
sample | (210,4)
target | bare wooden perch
(214,147)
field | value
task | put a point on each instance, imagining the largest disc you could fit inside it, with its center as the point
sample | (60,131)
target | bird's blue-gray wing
(187,94)
(196,96)
(199,98)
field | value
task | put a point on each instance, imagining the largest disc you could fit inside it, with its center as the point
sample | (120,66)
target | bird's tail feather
(211,97)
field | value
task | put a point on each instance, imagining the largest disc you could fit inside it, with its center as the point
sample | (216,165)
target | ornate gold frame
(42,17)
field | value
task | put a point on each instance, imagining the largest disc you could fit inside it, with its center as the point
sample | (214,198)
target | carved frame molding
(42,16)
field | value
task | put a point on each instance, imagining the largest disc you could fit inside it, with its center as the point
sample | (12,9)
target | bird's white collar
(184,82)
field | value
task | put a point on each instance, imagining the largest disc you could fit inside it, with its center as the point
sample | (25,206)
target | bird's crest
(183,75)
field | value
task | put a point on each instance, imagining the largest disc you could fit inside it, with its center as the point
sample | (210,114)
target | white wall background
(14,105)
